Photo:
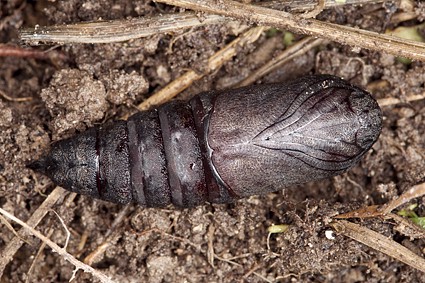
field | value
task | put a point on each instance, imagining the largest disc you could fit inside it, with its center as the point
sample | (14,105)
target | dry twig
(19,99)
(68,234)
(210,250)
(11,229)
(392,100)
(123,30)
(62,252)
(342,34)
(413,192)
(377,211)
(13,246)
(115,31)
(214,62)
(299,48)
(380,243)
(316,11)
(37,256)
(308,5)
(16,51)
(109,236)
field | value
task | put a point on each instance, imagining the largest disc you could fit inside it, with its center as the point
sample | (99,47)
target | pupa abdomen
(221,145)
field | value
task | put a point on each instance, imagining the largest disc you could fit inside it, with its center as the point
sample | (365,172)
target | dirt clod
(5,115)
(74,99)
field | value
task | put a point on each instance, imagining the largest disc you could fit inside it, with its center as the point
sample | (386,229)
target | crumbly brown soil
(98,82)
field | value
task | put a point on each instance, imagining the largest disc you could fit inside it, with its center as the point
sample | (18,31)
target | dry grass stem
(214,62)
(13,246)
(251,271)
(393,101)
(68,234)
(19,99)
(413,192)
(123,30)
(37,256)
(109,237)
(380,243)
(97,253)
(363,212)
(342,34)
(170,90)
(384,210)
(403,17)
(415,231)
(11,229)
(116,31)
(299,48)
(62,252)
(317,10)
(308,5)
(16,51)
(210,250)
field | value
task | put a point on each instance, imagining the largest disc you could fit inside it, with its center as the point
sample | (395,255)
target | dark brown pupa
(221,145)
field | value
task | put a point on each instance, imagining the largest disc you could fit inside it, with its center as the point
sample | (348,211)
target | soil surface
(87,84)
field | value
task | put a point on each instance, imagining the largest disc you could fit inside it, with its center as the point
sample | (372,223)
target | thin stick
(16,51)
(392,100)
(11,229)
(19,99)
(210,249)
(286,55)
(414,192)
(116,31)
(37,256)
(342,34)
(170,90)
(68,234)
(316,11)
(214,62)
(109,236)
(123,30)
(13,246)
(306,5)
(385,210)
(62,252)
(380,243)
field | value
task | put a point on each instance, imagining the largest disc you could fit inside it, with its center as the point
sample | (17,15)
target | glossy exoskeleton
(221,145)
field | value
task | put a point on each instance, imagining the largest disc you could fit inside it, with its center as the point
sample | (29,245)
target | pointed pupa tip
(38,165)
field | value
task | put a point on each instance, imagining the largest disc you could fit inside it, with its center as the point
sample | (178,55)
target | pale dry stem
(109,236)
(380,243)
(213,64)
(414,192)
(123,30)
(393,101)
(299,48)
(13,99)
(354,37)
(37,256)
(61,251)
(13,246)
